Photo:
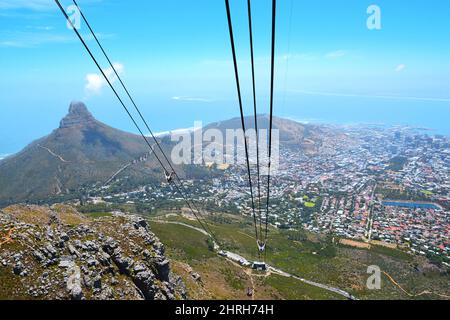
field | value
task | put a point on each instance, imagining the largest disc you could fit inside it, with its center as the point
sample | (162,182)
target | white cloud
(400,67)
(175,132)
(34,5)
(41,28)
(191,99)
(44,35)
(336,54)
(39,5)
(33,40)
(298,56)
(95,81)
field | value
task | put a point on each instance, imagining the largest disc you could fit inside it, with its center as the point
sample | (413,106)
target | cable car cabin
(259,266)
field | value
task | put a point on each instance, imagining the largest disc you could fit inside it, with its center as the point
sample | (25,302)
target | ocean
(166,114)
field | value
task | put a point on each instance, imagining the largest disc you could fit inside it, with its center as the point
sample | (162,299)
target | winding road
(270,268)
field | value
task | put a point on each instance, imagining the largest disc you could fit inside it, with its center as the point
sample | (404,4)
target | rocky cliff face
(78,116)
(57,253)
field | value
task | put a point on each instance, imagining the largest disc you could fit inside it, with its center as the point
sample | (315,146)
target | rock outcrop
(82,151)
(57,253)
(78,115)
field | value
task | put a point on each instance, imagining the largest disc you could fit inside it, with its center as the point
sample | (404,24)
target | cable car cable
(135,105)
(274,6)
(129,114)
(255,111)
(238,87)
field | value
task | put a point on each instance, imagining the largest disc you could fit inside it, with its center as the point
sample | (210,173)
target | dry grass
(69,215)
(30,214)
(354,243)
(384,244)
(42,215)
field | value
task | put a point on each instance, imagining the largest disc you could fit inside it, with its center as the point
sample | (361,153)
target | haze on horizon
(175,57)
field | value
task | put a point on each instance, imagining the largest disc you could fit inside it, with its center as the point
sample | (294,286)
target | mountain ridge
(84,151)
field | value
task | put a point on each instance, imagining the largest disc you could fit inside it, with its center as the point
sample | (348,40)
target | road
(313,283)
(370,215)
(241,260)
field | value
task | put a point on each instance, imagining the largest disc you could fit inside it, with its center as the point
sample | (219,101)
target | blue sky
(176,60)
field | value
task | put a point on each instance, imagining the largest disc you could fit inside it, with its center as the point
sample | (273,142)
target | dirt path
(7,238)
(406,292)
(244,234)
(248,272)
(117,173)
(411,294)
(52,153)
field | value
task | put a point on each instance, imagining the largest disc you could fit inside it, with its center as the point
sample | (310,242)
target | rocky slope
(57,253)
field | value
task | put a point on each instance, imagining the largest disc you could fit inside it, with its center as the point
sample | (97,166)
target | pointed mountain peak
(78,115)
(78,107)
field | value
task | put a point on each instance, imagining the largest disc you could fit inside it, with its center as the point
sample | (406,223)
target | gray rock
(73,285)
(106,293)
(145,281)
(90,246)
(123,263)
(66,263)
(60,244)
(92,262)
(78,244)
(196,276)
(73,251)
(85,270)
(50,251)
(98,282)
(163,268)
(87,281)
(159,296)
(140,222)
(114,281)
(65,236)
(104,259)
(19,269)
(110,245)
(91,267)
(147,254)
(49,233)
(139,267)
(38,256)
(17,257)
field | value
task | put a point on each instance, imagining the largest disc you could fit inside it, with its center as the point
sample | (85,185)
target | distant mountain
(81,151)
(305,137)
